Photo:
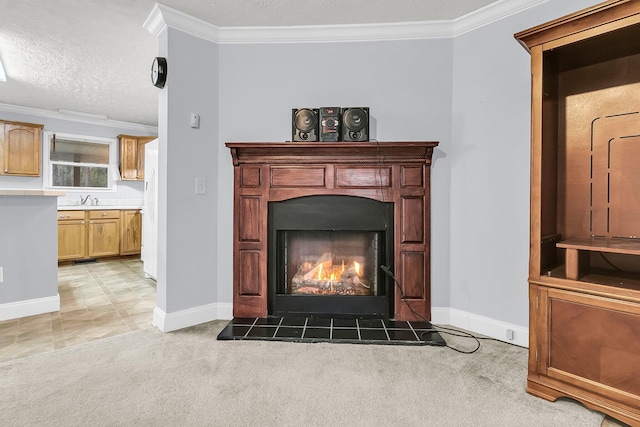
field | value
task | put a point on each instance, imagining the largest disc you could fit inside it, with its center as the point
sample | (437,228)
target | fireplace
(304,209)
(324,257)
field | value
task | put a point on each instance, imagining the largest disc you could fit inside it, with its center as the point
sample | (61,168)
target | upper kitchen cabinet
(20,148)
(132,156)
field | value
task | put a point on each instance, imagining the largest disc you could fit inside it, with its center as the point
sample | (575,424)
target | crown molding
(162,16)
(337,33)
(491,13)
(155,23)
(77,117)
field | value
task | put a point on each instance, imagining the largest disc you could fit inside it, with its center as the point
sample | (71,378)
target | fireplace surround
(274,176)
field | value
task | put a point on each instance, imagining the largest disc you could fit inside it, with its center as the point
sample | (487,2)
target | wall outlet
(511,334)
(1,275)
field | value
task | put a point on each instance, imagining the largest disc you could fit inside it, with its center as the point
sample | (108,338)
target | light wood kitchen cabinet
(88,234)
(103,233)
(130,232)
(72,235)
(584,262)
(20,148)
(132,156)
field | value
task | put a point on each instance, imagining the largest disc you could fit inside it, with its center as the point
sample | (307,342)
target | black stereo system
(330,124)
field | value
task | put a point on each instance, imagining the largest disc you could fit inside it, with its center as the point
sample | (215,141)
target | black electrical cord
(438,328)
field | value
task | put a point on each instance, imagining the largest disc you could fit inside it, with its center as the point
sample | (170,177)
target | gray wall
(406,84)
(470,92)
(28,252)
(187,257)
(490,167)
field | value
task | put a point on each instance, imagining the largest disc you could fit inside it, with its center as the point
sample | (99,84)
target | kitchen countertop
(19,192)
(96,208)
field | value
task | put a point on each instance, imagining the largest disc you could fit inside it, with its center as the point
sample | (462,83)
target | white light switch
(1,275)
(194,120)
(201,186)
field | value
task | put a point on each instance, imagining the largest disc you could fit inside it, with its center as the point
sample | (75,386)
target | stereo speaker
(355,124)
(304,124)
(330,124)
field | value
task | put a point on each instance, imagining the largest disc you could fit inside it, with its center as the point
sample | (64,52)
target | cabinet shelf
(580,250)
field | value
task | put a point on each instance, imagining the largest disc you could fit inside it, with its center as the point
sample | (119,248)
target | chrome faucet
(84,200)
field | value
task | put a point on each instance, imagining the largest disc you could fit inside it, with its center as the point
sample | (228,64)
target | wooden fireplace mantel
(397,172)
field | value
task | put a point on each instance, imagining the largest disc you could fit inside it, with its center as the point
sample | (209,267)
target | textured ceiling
(94,56)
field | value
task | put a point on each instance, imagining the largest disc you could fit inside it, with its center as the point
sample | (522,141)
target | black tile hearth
(310,329)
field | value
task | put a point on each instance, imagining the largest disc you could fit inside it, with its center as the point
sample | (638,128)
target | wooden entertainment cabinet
(584,266)
(396,172)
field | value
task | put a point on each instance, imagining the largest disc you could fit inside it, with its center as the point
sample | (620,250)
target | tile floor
(97,300)
(309,329)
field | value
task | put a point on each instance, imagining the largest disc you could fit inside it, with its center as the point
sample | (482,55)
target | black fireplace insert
(325,254)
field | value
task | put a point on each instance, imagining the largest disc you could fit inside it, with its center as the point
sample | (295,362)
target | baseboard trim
(31,307)
(168,322)
(480,325)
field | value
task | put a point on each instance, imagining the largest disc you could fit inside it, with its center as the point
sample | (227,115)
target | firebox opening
(325,254)
(329,262)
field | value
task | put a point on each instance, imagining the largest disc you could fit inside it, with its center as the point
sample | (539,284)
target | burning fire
(322,276)
(332,273)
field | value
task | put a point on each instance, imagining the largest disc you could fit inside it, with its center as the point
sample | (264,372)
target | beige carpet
(188,378)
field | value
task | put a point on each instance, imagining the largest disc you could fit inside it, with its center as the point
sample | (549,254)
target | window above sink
(77,162)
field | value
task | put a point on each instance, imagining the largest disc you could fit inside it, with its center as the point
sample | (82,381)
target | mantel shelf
(335,152)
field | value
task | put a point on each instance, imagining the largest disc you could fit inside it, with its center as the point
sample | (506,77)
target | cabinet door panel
(140,161)
(128,158)
(71,239)
(21,150)
(131,236)
(593,342)
(104,237)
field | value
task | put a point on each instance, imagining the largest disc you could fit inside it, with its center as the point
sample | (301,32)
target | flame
(332,273)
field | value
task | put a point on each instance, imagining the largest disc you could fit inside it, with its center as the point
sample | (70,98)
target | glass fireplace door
(329,262)
(325,254)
